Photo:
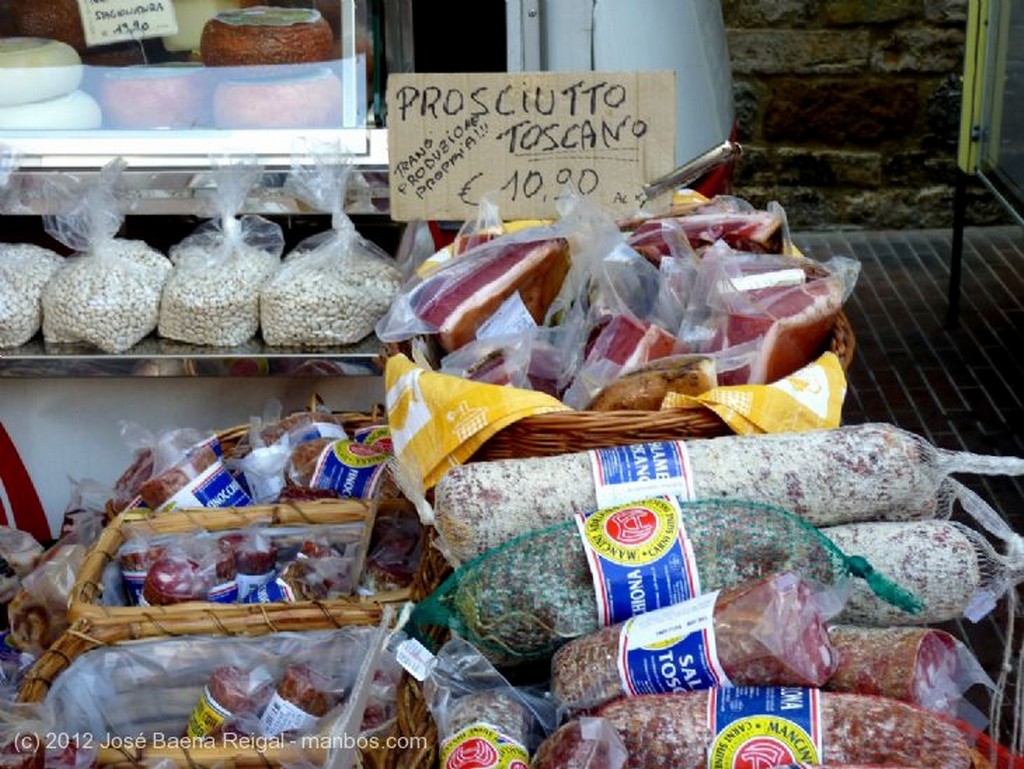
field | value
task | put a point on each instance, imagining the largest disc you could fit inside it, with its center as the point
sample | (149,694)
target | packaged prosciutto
(788,304)
(501,285)
(766,632)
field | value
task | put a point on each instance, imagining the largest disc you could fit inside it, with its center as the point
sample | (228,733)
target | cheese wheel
(75,111)
(158,96)
(263,35)
(34,69)
(310,100)
(192,16)
(52,19)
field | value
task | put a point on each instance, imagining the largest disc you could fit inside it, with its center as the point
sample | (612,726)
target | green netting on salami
(521,601)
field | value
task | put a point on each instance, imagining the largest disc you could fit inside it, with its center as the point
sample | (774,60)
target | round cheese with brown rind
(263,35)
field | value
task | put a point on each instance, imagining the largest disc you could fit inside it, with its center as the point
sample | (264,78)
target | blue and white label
(671,649)
(641,470)
(133,584)
(759,726)
(225,592)
(640,558)
(276,591)
(350,468)
(214,487)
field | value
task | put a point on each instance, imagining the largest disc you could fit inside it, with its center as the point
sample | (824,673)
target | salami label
(272,592)
(671,649)
(247,583)
(757,726)
(639,557)
(214,487)
(378,437)
(225,592)
(207,716)
(133,583)
(482,746)
(641,470)
(350,468)
(281,715)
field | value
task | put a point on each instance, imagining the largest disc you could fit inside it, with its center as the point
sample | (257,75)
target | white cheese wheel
(35,69)
(192,16)
(76,111)
(311,100)
(155,96)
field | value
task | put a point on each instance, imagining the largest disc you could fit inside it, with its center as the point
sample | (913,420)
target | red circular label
(632,526)
(362,450)
(762,753)
(517,764)
(474,753)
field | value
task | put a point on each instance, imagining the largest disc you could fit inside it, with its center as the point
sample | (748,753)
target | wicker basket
(110,624)
(78,639)
(562,432)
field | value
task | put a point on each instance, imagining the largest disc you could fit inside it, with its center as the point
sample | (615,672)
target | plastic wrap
(788,303)
(769,632)
(19,552)
(212,296)
(258,564)
(152,687)
(523,600)
(30,740)
(38,613)
(333,287)
(482,720)
(879,471)
(925,666)
(24,271)
(396,547)
(108,293)
(179,467)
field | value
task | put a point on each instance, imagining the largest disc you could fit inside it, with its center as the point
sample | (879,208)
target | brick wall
(849,111)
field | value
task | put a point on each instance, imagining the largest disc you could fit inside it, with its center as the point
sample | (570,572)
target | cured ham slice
(749,231)
(458,299)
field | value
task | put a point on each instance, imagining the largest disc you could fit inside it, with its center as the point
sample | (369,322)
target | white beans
(212,298)
(109,298)
(326,298)
(24,271)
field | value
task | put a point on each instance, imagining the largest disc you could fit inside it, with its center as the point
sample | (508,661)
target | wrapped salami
(521,601)
(231,693)
(928,667)
(769,632)
(482,720)
(708,728)
(878,471)
(304,694)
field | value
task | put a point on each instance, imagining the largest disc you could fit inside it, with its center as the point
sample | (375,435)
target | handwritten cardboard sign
(114,21)
(525,138)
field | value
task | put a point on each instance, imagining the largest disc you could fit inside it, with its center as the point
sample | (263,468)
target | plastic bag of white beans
(334,286)
(212,295)
(107,294)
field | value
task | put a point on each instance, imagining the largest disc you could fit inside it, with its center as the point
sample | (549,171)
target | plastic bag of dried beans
(520,602)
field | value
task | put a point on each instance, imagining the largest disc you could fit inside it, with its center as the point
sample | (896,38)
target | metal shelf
(165,358)
(168,173)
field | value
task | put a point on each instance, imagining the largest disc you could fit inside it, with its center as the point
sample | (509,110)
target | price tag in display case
(115,21)
(526,137)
